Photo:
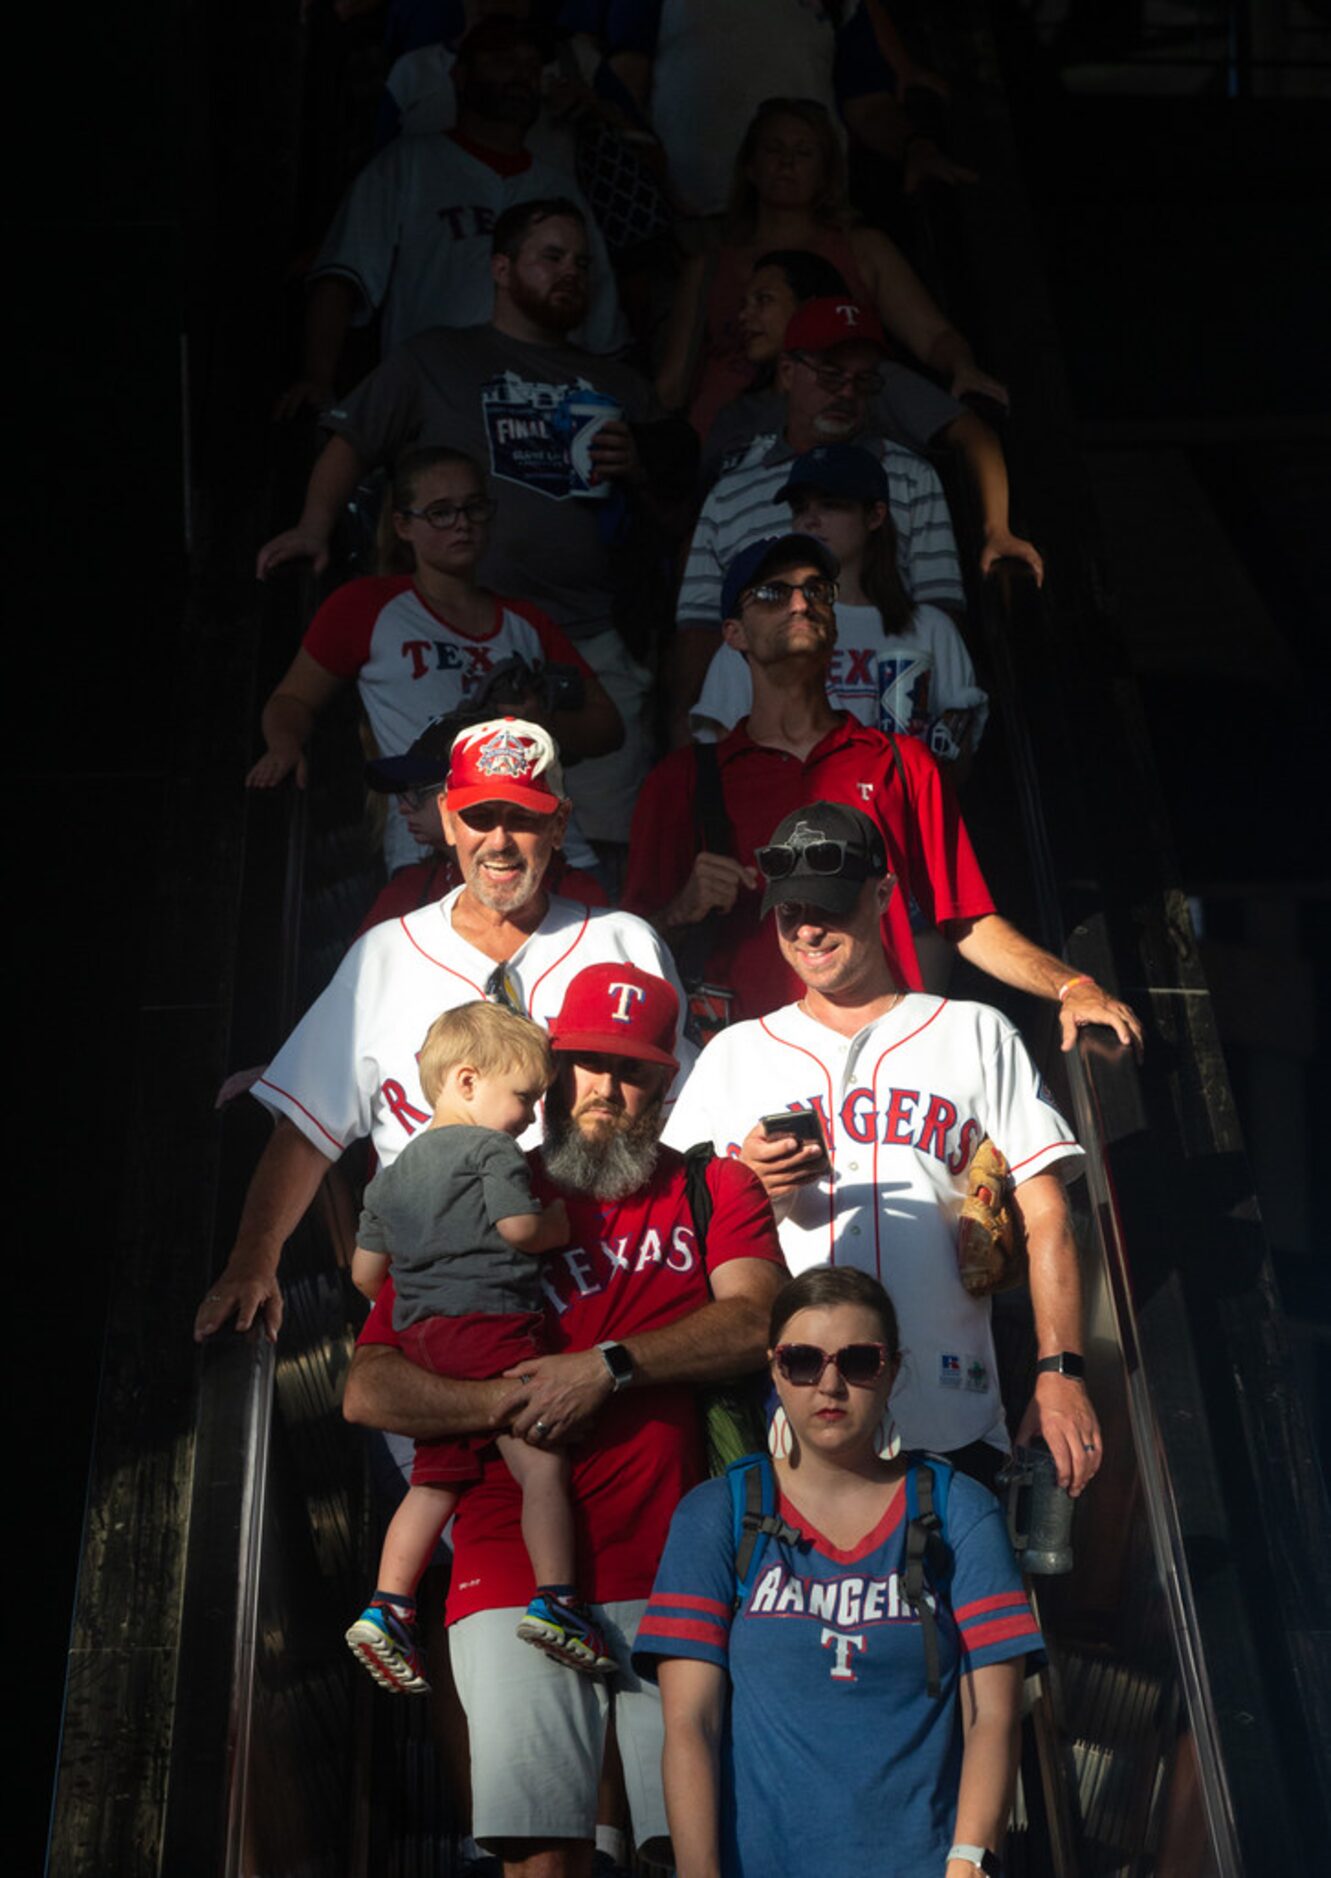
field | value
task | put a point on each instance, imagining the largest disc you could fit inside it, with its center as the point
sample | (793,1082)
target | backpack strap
(754,1518)
(928,1561)
(697,1160)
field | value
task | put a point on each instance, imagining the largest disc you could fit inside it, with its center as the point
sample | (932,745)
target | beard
(559,313)
(613,1161)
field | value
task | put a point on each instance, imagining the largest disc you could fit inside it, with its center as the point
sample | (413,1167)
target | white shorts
(538,1732)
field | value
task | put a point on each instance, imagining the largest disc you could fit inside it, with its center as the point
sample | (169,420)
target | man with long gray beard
(640,1307)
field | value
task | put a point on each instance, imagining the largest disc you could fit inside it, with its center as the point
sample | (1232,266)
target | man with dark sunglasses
(349,1067)
(905,1086)
(792,749)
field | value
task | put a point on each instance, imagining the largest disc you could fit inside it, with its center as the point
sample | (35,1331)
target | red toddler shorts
(474,1348)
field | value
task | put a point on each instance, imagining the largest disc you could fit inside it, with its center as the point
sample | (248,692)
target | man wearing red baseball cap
(641,1305)
(827,375)
(349,1067)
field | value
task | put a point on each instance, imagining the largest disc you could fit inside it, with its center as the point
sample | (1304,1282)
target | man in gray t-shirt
(508,393)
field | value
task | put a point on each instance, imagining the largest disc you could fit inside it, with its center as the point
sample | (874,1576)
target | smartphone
(804,1124)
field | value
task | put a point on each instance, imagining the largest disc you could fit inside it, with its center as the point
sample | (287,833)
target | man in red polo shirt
(637,1312)
(778,609)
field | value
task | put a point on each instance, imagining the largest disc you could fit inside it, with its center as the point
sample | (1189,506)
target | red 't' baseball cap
(820,324)
(505,760)
(618,1010)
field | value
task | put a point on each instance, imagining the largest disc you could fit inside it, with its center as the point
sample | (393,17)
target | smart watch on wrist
(620,1364)
(1066,1363)
(980,1857)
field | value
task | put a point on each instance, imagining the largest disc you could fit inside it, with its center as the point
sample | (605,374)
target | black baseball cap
(753,564)
(425,764)
(838,469)
(801,861)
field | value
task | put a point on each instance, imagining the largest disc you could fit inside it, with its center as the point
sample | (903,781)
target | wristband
(980,1857)
(1070,984)
(1066,1363)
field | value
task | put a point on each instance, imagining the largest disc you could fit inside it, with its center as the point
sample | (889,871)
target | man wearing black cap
(905,1087)
(778,603)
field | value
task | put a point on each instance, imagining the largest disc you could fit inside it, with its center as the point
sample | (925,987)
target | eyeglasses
(417,798)
(838,378)
(779,592)
(442,515)
(813,857)
(859,1364)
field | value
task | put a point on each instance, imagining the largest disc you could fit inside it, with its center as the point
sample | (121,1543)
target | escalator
(1183,1725)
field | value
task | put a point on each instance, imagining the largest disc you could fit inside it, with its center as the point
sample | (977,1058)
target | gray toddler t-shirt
(433,1210)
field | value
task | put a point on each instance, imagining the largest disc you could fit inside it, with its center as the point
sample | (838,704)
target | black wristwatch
(620,1364)
(1066,1363)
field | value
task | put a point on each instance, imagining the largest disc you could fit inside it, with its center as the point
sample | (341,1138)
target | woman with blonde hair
(789,191)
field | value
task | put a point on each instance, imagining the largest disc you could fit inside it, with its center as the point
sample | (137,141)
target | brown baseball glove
(991,1246)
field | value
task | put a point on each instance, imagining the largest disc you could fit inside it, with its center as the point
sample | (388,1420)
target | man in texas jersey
(349,1067)
(906,1086)
(638,1309)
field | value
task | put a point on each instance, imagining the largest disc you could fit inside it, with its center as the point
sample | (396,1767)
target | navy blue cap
(425,764)
(761,558)
(840,469)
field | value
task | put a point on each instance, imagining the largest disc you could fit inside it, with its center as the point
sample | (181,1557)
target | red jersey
(899,786)
(633,1267)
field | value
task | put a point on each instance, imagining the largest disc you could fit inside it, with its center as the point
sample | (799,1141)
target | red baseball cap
(819,325)
(618,1010)
(505,760)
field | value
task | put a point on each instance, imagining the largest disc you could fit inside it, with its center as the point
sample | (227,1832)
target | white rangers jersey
(904,1104)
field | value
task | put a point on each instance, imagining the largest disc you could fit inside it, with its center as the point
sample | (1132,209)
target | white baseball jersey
(905,1103)
(412,236)
(349,1067)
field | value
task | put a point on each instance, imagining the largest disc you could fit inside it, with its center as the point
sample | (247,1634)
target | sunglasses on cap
(859,1364)
(816,857)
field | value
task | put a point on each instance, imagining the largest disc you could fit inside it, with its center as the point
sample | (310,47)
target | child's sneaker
(567,1633)
(385,1642)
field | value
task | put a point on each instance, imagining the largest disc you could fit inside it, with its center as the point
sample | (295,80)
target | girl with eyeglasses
(419,643)
(896,667)
(789,192)
(800,1726)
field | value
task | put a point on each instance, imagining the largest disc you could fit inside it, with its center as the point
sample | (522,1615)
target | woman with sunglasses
(804,1718)
(789,191)
(419,644)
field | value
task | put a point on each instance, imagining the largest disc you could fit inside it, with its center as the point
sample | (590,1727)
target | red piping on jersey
(287,1096)
(877,1208)
(1048,1148)
(452,625)
(831,1146)
(577,940)
(1002,1630)
(688,1601)
(1011,1601)
(478,989)
(849,1555)
(686,1629)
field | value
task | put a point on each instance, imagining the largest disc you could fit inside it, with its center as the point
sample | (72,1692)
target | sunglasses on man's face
(859,1363)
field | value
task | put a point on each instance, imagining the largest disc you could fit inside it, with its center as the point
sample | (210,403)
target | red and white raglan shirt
(904,1104)
(411,666)
(348,1069)
(899,786)
(633,1266)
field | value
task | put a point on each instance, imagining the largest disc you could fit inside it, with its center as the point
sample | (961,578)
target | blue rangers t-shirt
(831,1730)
